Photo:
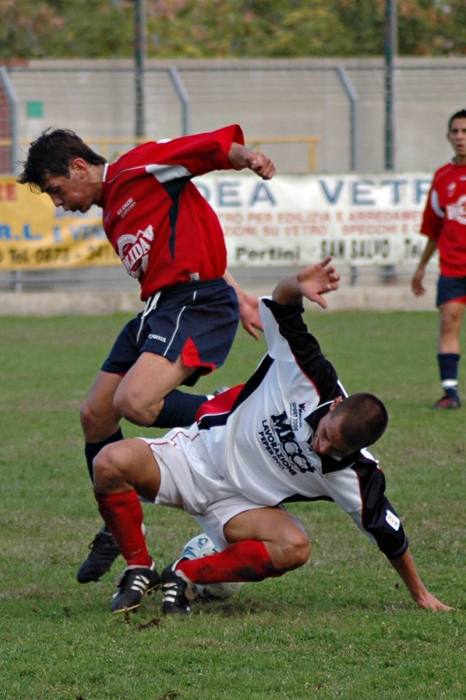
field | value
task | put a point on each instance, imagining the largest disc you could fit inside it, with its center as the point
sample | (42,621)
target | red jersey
(163,229)
(445,218)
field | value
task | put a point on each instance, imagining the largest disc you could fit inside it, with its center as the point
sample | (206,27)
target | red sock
(242,561)
(123,516)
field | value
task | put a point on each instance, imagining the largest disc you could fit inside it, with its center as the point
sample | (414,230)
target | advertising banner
(34,235)
(360,220)
(292,219)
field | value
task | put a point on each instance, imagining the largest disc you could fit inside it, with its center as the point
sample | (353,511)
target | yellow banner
(34,235)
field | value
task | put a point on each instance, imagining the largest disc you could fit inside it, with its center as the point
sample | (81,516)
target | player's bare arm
(311,283)
(416,283)
(406,568)
(242,157)
(248,308)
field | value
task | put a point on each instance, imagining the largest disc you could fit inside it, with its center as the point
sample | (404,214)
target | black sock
(448,365)
(179,409)
(92,449)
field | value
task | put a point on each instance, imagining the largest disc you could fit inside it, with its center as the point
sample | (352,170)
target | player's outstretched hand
(429,602)
(317,280)
(311,283)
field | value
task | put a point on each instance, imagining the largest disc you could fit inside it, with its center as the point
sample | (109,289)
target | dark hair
(458,115)
(363,419)
(51,154)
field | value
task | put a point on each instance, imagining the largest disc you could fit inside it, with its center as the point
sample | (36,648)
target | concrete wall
(86,296)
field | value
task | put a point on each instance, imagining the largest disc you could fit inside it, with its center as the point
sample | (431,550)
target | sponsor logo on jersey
(134,251)
(127,206)
(153,336)
(457,211)
(296,415)
(280,442)
(392,520)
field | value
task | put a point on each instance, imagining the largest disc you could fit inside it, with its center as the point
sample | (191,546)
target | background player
(170,239)
(290,433)
(444,224)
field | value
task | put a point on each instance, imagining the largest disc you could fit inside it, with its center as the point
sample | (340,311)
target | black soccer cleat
(448,401)
(133,585)
(104,551)
(176,592)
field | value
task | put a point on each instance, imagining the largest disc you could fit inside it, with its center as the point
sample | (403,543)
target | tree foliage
(228,28)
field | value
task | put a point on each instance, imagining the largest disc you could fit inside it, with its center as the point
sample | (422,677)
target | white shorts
(188,482)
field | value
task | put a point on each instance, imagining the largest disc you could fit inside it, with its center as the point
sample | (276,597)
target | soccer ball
(202,546)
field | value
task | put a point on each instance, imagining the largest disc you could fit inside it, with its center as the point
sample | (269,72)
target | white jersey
(258,436)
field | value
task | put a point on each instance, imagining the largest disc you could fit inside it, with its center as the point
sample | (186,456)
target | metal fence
(9,141)
(308,114)
(339,104)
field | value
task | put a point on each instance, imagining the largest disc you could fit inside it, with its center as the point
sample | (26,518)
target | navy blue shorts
(197,321)
(451,289)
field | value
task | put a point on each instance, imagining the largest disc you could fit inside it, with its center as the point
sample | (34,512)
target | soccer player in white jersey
(289,433)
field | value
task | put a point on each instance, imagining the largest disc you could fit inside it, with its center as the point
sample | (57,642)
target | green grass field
(342,626)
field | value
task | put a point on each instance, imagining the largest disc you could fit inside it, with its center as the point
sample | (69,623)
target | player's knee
(134,411)
(301,551)
(87,416)
(108,468)
(294,552)
(95,423)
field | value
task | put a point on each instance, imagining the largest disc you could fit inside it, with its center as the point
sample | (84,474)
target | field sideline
(342,626)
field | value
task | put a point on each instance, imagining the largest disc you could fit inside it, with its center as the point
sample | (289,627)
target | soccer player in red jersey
(444,223)
(170,239)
